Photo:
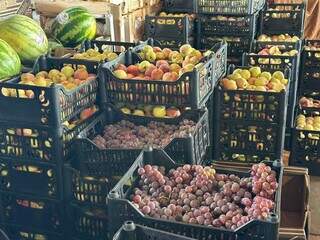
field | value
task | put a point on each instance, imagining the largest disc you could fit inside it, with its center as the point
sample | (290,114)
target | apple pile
(309,102)
(161,64)
(278,38)
(151,111)
(308,123)
(95,55)
(67,77)
(127,135)
(254,80)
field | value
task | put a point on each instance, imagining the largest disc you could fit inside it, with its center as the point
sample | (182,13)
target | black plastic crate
(23,211)
(226,7)
(306,146)
(310,55)
(50,105)
(121,209)
(131,231)
(159,27)
(27,233)
(38,144)
(192,89)
(283,18)
(310,79)
(87,223)
(229,26)
(184,150)
(283,46)
(180,6)
(101,45)
(174,43)
(41,180)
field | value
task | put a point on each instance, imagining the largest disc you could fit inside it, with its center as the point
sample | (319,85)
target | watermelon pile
(10,64)
(25,36)
(74,25)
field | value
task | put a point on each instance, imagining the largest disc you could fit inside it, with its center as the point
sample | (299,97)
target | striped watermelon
(25,36)
(10,64)
(74,25)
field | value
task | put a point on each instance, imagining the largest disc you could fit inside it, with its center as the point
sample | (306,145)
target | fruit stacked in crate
(146,102)
(175,25)
(200,202)
(283,17)
(235,22)
(250,114)
(278,52)
(41,112)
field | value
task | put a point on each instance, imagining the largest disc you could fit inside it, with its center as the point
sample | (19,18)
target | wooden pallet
(10,7)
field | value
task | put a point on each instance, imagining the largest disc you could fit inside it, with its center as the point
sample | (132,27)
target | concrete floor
(315,208)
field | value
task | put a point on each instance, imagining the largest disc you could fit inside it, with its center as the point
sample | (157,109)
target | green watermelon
(25,36)
(74,25)
(10,64)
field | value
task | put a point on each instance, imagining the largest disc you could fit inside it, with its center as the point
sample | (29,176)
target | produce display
(190,16)
(150,111)
(308,123)
(127,135)
(198,195)
(74,25)
(276,50)
(255,80)
(25,36)
(95,55)
(161,64)
(278,38)
(10,64)
(309,102)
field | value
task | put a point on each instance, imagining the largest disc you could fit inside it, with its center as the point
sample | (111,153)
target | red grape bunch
(198,195)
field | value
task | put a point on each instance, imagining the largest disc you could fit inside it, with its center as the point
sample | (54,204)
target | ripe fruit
(189,67)
(261,81)
(125,110)
(278,75)
(121,67)
(170,76)
(173,112)
(150,56)
(81,74)
(120,74)
(27,77)
(161,62)
(138,112)
(10,64)
(242,83)
(40,81)
(245,74)
(266,75)
(186,49)
(175,68)
(156,74)
(133,69)
(150,69)
(143,66)
(159,111)
(234,76)
(230,84)
(165,68)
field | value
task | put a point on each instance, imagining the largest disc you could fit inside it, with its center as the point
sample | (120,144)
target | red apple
(161,62)
(133,69)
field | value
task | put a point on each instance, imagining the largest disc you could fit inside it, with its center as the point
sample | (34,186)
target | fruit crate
(185,149)
(121,209)
(226,7)
(175,43)
(310,55)
(86,223)
(310,79)
(275,62)
(41,180)
(50,105)
(192,89)
(26,212)
(249,125)
(229,26)
(132,231)
(159,27)
(235,46)
(283,18)
(306,145)
(38,144)
(11,7)
(183,6)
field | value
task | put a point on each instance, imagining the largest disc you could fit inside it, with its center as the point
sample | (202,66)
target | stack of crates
(233,21)
(37,125)
(306,128)
(175,25)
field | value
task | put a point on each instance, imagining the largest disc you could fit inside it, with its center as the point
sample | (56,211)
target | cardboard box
(295,219)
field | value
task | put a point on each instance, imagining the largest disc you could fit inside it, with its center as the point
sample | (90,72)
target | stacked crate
(36,129)
(175,25)
(11,7)
(249,124)
(306,129)
(233,21)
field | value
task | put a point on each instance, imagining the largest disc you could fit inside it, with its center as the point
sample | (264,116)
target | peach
(146,78)
(81,74)
(166,52)
(165,68)
(176,57)
(120,74)
(53,73)
(77,81)
(230,85)
(170,76)
(130,76)
(121,67)
(156,74)
(40,81)
(189,67)
(186,49)
(161,62)
(42,73)
(160,55)
(27,77)
(156,49)
(133,69)
(175,68)
(149,70)
(173,112)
